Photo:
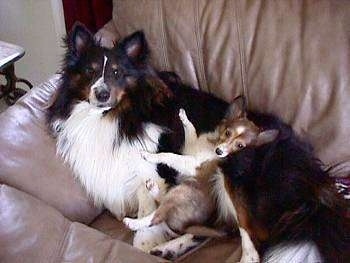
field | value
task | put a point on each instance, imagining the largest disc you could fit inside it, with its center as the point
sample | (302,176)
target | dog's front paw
(166,254)
(148,238)
(131,223)
(175,247)
(153,188)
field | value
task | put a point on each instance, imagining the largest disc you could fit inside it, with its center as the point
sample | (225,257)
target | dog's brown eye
(240,146)
(116,73)
(228,133)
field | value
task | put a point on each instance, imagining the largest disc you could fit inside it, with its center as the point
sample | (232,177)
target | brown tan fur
(193,201)
(244,219)
(190,203)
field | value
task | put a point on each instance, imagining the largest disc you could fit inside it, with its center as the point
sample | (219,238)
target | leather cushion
(32,231)
(28,160)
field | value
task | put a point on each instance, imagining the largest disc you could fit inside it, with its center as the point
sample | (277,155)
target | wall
(38,26)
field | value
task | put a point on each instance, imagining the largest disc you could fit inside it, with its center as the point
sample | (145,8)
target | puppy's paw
(148,238)
(175,247)
(166,254)
(153,188)
(131,223)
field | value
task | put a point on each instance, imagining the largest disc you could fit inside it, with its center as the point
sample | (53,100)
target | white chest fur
(111,172)
(227,211)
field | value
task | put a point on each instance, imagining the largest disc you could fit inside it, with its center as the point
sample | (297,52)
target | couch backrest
(291,58)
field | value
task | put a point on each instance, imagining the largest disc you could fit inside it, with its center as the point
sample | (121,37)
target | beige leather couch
(288,57)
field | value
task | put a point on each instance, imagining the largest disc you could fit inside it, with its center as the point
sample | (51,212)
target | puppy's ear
(80,38)
(237,108)
(136,47)
(267,136)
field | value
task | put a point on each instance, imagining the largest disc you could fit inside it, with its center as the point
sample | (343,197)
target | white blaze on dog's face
(99,92)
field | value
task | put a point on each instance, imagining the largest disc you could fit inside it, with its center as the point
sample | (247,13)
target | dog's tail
(318,231)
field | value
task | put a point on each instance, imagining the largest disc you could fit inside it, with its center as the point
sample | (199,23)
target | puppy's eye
(240,145)
(228,133)
(116,73)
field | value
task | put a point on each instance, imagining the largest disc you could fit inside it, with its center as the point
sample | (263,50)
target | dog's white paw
(169,250)
(183,116)
(176,247)
(153,188)
(131,223)
(148,238)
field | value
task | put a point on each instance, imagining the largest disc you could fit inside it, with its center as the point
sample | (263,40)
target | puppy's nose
(102,95)
(218,151)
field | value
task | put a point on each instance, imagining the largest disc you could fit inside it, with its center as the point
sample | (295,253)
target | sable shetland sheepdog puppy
(110,105)
(193,202)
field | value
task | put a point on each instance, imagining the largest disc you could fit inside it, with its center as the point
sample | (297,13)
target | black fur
(287,190)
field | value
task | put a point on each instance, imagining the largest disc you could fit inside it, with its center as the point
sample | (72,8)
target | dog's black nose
(102,95)
(218,151)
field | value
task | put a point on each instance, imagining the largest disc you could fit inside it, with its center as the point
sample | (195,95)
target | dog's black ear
(135,46)
(237,108)
(80,39)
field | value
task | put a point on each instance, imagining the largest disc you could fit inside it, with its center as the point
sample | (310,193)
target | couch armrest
(32,231)
(28,158)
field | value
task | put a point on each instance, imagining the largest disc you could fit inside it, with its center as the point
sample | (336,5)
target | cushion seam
(108,253)
(203,80)
(63,244)
(241,50)
(162,39)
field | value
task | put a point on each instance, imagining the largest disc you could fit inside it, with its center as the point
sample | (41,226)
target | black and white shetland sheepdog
(110,105)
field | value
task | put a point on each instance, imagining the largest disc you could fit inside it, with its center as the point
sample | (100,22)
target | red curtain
(92,13)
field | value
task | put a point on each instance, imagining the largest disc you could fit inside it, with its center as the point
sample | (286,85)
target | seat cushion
(32,231)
